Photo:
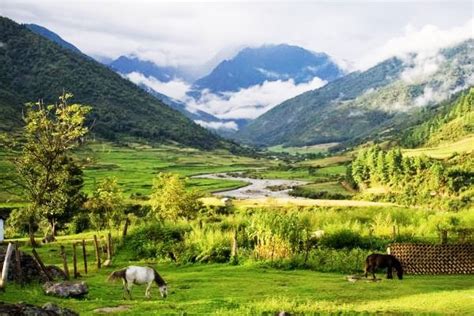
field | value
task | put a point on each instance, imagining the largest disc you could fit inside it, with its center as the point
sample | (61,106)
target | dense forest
(420,180)
(453,120)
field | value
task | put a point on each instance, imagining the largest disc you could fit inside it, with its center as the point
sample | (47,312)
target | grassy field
(444,150)
(251,289)
(136,167)
(315,149)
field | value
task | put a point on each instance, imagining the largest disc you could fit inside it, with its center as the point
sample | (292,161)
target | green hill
(32,68)
(384,100)
(452,121)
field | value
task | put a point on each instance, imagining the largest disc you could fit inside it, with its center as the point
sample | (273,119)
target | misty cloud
(191,33)
(175,89)
(253,101)
(425,41)
(218,125)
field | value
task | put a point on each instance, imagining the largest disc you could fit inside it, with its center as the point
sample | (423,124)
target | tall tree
(42,164)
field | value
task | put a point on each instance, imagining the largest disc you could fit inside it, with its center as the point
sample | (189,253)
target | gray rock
(66,289)
(50,307)
(23,309)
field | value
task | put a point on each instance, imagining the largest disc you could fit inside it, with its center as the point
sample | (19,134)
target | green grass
(330,187)
(315,149)
(252,289)
(135,168)
(443,150)
(302,173)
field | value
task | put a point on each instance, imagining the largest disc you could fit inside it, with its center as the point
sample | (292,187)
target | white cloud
(253,101)
(425,41)
(190,33)
(175,89)
(218,125)
(421,67)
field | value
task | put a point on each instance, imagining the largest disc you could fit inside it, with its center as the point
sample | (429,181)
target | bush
(79,223)
(347,239)
(155,241)
(325,260)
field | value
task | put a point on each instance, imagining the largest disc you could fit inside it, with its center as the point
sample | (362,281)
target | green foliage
(49,178)
(170,200)
(453,120)
(416,180)
(106,205)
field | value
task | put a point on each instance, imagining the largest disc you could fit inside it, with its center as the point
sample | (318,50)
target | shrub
(347,239)
(156,240)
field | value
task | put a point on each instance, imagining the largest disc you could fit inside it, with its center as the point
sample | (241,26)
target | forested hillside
(34,68)
(452,121)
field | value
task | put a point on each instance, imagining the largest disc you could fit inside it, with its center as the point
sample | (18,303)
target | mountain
(33,67)
(253,66)
(380,101)
(40,30)
(128,64)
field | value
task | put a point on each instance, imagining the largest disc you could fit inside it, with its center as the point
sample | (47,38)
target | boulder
(66,289)
(23,309)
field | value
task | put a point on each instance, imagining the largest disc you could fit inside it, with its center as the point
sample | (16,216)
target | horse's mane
(158,279)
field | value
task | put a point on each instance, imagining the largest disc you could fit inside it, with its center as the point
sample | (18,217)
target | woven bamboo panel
(435,259)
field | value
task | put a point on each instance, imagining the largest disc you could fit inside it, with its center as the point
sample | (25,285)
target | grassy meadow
(250,289)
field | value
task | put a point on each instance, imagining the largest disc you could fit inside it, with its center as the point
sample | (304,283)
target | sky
(197,35)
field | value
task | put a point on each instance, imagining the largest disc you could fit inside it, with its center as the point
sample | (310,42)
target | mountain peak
(270,62)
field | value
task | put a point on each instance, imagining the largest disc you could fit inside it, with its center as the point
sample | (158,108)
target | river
(256,188)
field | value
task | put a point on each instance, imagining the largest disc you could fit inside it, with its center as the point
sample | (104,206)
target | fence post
(19,272)
(84,254)
(97,251)
(74,259)
(63,255)
(6,263)
(41,265)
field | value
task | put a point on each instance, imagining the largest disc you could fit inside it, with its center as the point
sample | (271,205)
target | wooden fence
(435,259)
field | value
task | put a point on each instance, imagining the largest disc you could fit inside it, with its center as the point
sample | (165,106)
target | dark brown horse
(377,260)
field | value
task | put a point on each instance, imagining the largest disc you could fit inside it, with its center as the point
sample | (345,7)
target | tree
(50,133)
(170,200)
(106,205)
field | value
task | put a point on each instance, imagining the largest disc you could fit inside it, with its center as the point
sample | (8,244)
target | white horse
(139,275)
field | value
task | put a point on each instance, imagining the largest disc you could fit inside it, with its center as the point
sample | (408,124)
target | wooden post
(109,246)
(97,251)
(41,265)
(84,254)
(74,260)
(6,263)
(19,272)
(394,232)
(66,269)
(125,228)
(234,253)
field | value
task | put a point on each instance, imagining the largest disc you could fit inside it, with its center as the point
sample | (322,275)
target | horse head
(163,291)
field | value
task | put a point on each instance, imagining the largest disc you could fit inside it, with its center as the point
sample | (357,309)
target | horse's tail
(119,274)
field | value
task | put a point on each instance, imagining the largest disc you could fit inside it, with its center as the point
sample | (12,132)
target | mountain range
(33,67)
(373,104)
(379,101)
